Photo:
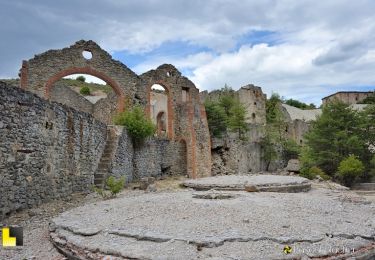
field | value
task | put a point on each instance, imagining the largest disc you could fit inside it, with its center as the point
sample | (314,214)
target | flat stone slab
(180,225)
(263,182)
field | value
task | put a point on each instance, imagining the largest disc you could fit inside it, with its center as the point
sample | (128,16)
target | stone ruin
(55,143)
(50,149)
(71,142)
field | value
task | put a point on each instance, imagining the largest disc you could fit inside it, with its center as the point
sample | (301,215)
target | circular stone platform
(264,182)
(176,225)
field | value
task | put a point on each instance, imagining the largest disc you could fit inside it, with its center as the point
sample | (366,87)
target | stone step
(104,164)
(370,186)
(365,192)
(99,175)
(98,181)
(103,169)
(108,149)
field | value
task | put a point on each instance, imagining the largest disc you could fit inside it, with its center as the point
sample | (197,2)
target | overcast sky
(299,49)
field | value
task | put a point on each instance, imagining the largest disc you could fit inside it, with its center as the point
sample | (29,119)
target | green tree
(138,125)
(268,147)
(334,136)
(227,99)
(226,114)
(275,134)
(350,170)
(290,149)
(370,99)
(216,118)
(236,120)
(367,124)
(81,78)
(299,104)
(272,108)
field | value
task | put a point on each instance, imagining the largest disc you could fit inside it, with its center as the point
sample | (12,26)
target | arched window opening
(253,115)
(161,124)
(159,108)
(185,94)
(86,93)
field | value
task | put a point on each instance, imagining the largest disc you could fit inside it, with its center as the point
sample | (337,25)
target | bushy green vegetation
(74,83)
(137,124)
(350,169)
(313,172)
(226,114)
(275,135)
(81,78)
(85,91)
(339,135)
(299,104)
(370,99)
(113,187)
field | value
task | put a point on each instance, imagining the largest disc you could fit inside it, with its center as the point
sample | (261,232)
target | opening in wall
(185,94)
(159,108)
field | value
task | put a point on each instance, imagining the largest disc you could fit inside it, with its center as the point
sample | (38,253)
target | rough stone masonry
(49,150)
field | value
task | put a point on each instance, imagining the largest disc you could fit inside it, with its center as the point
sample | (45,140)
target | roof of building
(311,114)
(305,115)
(349,92)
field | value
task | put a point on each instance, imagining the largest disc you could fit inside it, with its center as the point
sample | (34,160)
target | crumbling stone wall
(186,117)
(298,121)
(348,97)
(230,155)
(106,108)
(254,102)
(40,73)
(47,150)
(187,120)
(156,157)
(65,95)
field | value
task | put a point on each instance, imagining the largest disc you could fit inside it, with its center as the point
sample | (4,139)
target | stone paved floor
(175,225)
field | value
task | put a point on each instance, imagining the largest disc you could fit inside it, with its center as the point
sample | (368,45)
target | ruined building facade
(50,149)
(348,97)
(230,154)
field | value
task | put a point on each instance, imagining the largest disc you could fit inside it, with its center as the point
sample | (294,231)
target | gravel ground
(35,222)
(167,214)
(175,225)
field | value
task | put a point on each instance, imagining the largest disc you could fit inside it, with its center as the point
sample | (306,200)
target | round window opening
(87,55)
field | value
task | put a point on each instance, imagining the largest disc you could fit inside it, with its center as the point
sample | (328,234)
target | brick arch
(169,105)
(158,121)
(90,71)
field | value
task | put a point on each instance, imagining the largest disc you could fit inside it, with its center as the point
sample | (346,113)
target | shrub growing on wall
(138,125)
(85,91)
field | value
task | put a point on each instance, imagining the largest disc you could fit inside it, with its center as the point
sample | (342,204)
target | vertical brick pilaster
(24,74)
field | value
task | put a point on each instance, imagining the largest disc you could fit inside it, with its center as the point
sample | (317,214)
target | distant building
(348,97)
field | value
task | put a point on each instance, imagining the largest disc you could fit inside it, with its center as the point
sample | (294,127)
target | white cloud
(322,45)
(189,62)
(287,69)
